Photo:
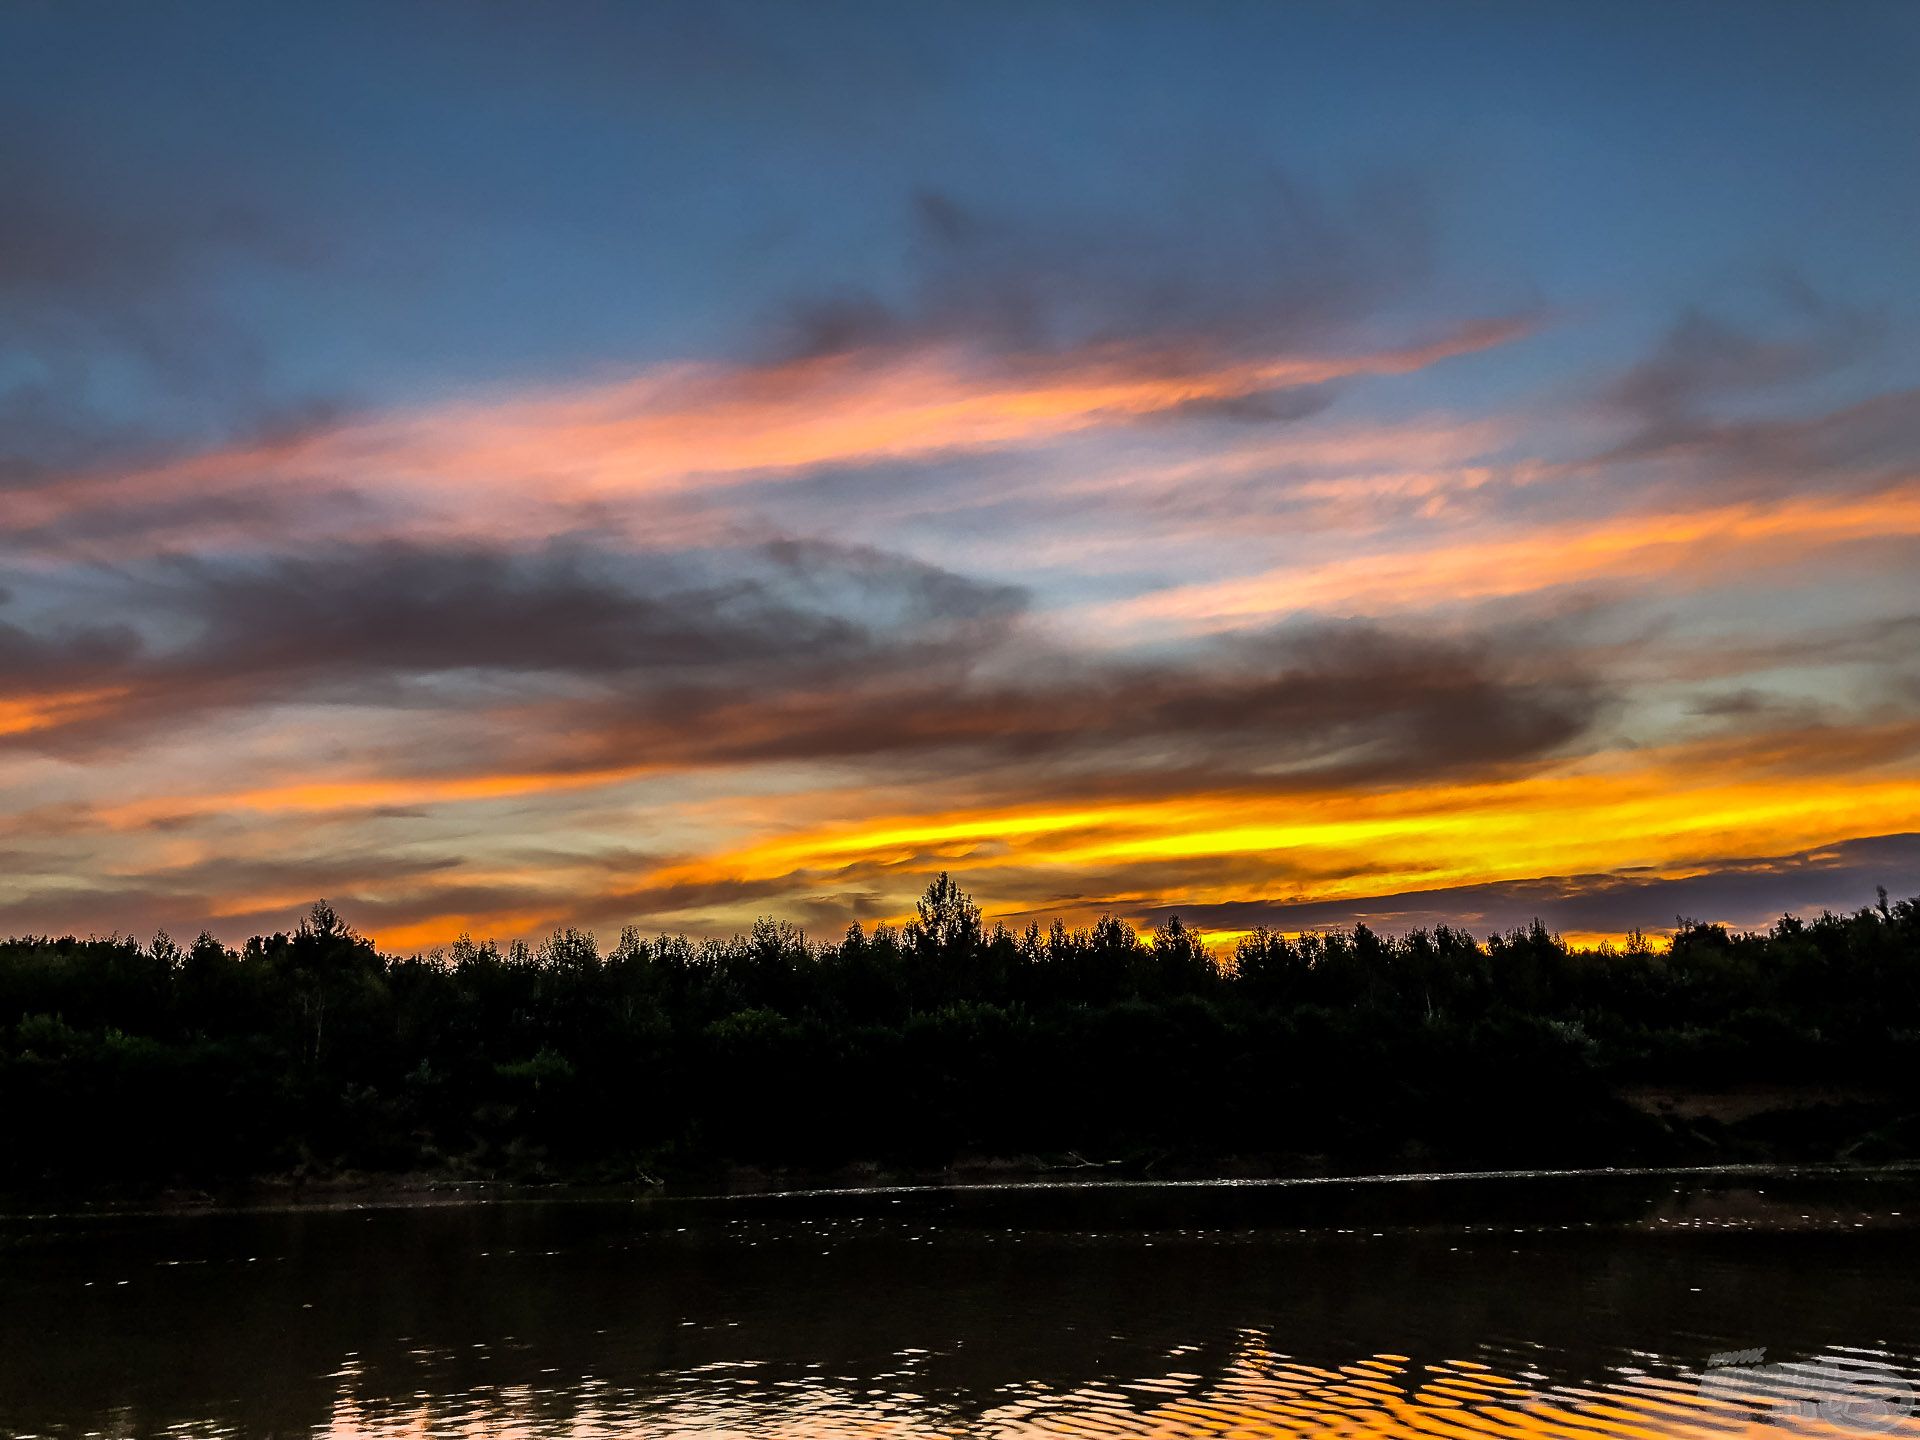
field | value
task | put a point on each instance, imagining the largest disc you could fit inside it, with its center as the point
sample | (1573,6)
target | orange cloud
(440,930)
(1660,812)
(682,425)
(1709,542)
(1661,816)
(45,712)
(350,794)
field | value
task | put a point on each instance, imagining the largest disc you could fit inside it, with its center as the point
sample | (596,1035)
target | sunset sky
(505,467)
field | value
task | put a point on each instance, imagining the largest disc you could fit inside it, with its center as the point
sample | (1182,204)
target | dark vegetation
(312,1054)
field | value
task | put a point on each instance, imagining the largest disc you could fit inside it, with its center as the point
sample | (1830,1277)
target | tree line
(309,1052)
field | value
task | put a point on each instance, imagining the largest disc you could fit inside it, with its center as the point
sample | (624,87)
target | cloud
(1394,855)
(1252,303)
(1326,705)
(1740,891)
(554,596)
(1270,407)
(116,342)
(1672,813)
(231,895)
(1241,259)
(375,623)
(1746,411)
(1679,549)
(793,651)
(479,676)
(61,657)
(518,463)
(1861,444)
(1705,358)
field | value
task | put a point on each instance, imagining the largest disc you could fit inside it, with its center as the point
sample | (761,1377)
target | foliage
(311,1051)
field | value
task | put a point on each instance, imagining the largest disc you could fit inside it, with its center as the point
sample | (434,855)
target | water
(1587,1306)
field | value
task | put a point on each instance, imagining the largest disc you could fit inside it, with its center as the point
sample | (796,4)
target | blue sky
(410,196)
(1199,339)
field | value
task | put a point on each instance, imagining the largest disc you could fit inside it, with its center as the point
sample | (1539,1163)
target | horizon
(1219,945)
(1298,466)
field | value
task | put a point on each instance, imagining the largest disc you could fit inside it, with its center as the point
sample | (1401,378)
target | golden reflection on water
(1844,1395)
(1590,1308)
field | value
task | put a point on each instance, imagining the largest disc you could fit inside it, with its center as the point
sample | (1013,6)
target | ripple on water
(1842,1393)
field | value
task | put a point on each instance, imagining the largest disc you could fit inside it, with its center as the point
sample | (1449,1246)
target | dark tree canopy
(311,1052)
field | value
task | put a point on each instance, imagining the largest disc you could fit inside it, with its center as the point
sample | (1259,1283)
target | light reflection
(1579,1304)
(1846,1394)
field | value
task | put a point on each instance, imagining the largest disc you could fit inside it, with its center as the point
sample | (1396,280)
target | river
(1612,1305)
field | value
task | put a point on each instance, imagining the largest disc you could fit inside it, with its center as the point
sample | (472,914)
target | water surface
(1591,1306)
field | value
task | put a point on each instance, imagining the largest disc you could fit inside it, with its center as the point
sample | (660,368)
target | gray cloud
(1683,399)
(793,651)
(61,657)
(1704,358)
(368,623)
(1740,892)
(1322,706)
(1240,257)
(115,341)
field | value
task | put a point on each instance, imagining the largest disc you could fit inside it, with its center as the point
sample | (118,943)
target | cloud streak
(654,504)
(484,464)
(1676,547)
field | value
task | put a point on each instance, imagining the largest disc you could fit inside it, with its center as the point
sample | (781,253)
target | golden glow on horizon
(1354,846)
(675,430)
(443,930)
(1670,817)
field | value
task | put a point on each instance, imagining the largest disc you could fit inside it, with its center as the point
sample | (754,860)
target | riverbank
(1751,1129)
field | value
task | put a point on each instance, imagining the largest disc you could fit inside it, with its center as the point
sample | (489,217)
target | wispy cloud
(762,511)
(1683,549)
(486,467)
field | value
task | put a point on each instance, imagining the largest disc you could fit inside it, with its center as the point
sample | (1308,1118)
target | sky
(505,467)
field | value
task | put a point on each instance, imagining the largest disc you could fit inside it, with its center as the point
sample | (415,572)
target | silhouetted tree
(310,1049)
(946,919)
